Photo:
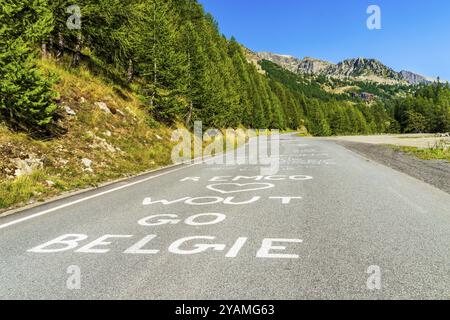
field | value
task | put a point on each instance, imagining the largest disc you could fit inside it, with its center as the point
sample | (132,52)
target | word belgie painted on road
(269,248)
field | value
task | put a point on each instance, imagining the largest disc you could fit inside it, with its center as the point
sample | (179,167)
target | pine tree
(110,29)
(415,122)
(318,123)
(25,94)
(159,61)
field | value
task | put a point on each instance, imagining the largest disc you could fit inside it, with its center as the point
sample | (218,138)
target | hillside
(107,136)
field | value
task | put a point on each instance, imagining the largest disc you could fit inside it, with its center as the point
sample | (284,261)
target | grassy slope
(141,147)
(436,153)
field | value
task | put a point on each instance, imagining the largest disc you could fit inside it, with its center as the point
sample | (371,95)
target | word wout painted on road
(229,185)
(207,201)
(269,248)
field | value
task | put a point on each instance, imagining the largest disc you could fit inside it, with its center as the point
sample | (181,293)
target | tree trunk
(189,115)
(77,53)
(130,71)
(50,46)
(44,50)
(152,98)
(60,51)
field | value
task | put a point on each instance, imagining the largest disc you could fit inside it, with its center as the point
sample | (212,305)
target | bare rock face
(313,66)
(287,62)
(414,78)
(253,58)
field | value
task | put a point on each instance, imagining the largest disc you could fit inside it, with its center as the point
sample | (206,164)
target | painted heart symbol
(241,187)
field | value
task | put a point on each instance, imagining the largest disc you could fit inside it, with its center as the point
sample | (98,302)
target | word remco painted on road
(251,178)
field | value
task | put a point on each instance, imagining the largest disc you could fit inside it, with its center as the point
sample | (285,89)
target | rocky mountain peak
(362,69)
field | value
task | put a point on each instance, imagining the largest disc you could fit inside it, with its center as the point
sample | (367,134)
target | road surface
(329,225)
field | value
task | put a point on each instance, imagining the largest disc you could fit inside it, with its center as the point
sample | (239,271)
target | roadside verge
(434,172)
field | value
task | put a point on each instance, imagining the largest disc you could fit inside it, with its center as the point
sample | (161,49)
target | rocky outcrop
(414,78)
(287,62)
(27,166)
(254,59)
(362,67)
(313,66)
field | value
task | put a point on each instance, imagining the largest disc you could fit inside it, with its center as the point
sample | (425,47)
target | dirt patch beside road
(434,172)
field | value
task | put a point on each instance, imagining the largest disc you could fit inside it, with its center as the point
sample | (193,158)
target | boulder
(104,107)
(50,183)
(69,111)
(87,163)
(27,166)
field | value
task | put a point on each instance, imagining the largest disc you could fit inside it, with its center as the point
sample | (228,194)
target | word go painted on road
(269,248)
(162,219)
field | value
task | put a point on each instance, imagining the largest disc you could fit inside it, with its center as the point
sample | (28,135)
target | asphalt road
(335,216)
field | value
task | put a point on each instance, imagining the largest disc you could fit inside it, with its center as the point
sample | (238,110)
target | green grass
(438,152)
(21,189)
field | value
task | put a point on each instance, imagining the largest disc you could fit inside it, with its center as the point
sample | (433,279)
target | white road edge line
(194,162)
(2,226)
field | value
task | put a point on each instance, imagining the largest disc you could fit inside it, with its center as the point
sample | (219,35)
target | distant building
(367,96)
(363,95)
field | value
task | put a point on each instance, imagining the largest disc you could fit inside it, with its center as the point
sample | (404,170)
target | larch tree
(26,96)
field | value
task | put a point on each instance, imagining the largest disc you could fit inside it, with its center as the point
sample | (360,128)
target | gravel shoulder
(404,140)
(434,172)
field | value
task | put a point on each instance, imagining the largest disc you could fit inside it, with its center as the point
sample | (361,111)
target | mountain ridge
(358,68)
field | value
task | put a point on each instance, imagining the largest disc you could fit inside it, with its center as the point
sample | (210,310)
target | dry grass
(138,146)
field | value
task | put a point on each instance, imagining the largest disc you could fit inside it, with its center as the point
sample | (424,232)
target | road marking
(204,160)
(185,246)
(91,197)
(258,186)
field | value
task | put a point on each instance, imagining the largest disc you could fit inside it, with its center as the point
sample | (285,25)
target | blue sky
(415,34)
